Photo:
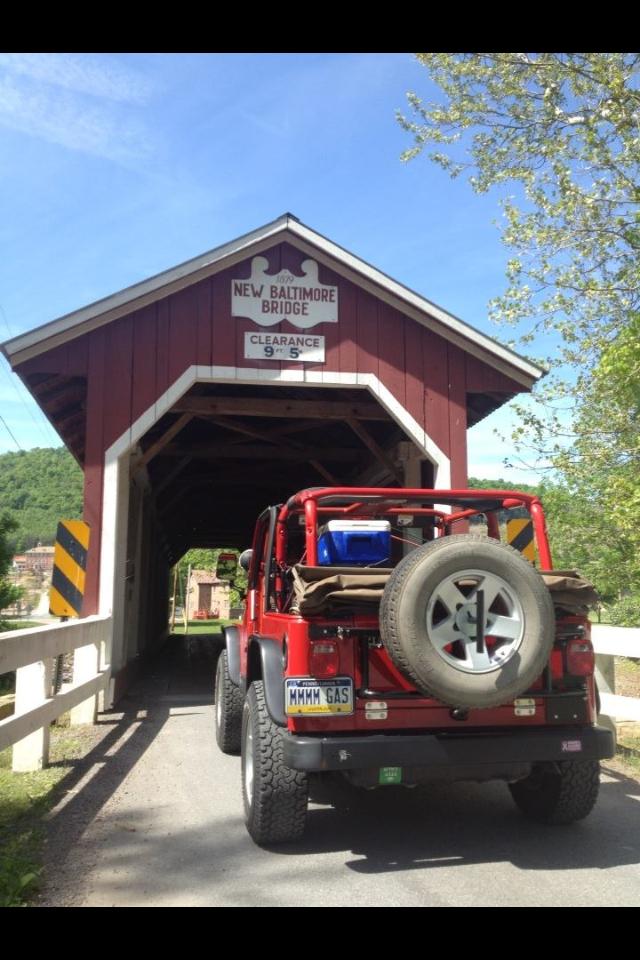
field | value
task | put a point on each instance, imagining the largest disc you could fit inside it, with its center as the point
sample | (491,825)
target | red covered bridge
(276,361)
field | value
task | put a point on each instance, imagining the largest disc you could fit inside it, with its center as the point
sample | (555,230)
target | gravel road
(153,817)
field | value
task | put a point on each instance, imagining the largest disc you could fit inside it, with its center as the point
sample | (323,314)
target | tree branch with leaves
(561,131)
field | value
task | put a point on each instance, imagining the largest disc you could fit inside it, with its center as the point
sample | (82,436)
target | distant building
(19,563)
(207,595)
(39,559)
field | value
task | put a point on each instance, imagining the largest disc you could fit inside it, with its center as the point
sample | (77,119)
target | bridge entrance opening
(207,467)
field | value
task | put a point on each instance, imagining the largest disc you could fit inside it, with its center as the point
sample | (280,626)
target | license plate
(309,697)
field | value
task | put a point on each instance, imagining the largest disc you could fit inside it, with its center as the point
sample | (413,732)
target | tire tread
(560,797)
(279,809)
(228,733)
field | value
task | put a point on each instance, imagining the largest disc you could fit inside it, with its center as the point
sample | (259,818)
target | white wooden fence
(610,642)
(32,654)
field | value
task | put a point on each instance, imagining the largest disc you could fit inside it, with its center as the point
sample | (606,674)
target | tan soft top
(319,589)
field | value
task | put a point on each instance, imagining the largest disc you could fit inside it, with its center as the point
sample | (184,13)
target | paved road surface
(156,820)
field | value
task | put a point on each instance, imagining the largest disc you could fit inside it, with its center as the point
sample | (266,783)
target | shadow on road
(182,671)
(396,829)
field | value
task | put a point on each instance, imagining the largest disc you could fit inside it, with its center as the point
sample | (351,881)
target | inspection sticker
(389,775)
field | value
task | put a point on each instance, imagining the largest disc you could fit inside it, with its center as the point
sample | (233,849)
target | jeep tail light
(323,658)
(580,657)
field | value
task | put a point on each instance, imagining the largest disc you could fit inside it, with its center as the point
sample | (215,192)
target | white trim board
(115,481)
(287,227)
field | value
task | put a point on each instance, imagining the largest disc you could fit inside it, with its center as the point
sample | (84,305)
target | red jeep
(380,643)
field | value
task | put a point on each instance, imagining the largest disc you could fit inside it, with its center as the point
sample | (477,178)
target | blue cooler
(354,543)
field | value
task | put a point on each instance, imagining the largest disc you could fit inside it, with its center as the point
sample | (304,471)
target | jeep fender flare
(232,644)
(271,673)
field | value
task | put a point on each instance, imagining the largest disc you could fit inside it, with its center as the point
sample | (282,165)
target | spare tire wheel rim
(452,613)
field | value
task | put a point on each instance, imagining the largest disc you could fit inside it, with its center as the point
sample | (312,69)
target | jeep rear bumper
(445,751)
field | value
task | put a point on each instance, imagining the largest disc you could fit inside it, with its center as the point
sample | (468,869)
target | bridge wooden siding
(134,359)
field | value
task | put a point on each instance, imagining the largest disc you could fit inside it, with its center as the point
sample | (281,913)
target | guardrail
(610,642)
(31,653)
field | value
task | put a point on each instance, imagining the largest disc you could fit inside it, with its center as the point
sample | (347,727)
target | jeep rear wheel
(468,620)
(229,702)
(560,793)
(274,795)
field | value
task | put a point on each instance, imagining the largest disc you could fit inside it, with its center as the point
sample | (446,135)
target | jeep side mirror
(245,559)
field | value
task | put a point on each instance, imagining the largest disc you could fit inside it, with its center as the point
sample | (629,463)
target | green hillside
(37,488)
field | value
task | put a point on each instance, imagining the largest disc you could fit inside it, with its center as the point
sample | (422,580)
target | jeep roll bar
(368,501)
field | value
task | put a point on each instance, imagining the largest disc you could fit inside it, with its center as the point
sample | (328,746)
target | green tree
(584,535)
(207,559)
(39,487)
(562,131)
(564,128)
(8,593)
(601,464)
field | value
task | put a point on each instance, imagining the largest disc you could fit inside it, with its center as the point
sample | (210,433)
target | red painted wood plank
(347,327)
(78,357)
(53,361)
(162,347)
(435,376)
(183,332)
(223,324)
(391,368)
(204,306)
(119,378)
(457,417)
(414,383)
(366,332)
(94,464)
(481,377)
(144,360)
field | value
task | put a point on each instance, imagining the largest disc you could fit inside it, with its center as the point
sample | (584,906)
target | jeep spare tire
(431,608)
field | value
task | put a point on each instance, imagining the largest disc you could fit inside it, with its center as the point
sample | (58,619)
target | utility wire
(6,322)
(9,432)
(26,406)
(8,374)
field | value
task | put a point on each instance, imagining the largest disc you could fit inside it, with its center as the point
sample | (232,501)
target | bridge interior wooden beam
(267,407)
(375,449)
(163,440)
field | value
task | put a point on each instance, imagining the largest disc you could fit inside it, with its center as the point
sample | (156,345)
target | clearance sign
(69,566)
(268,299)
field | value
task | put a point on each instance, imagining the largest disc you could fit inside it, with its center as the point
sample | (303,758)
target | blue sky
(113,168)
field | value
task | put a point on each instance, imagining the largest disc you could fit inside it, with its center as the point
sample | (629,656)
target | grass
(24,799)
(627,672)
(202,626)
(6,625)
(628,750)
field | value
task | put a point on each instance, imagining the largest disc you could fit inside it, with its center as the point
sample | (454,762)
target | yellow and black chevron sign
(520,537)
(69,566)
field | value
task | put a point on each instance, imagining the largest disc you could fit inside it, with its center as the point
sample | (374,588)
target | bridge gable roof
(286,228)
